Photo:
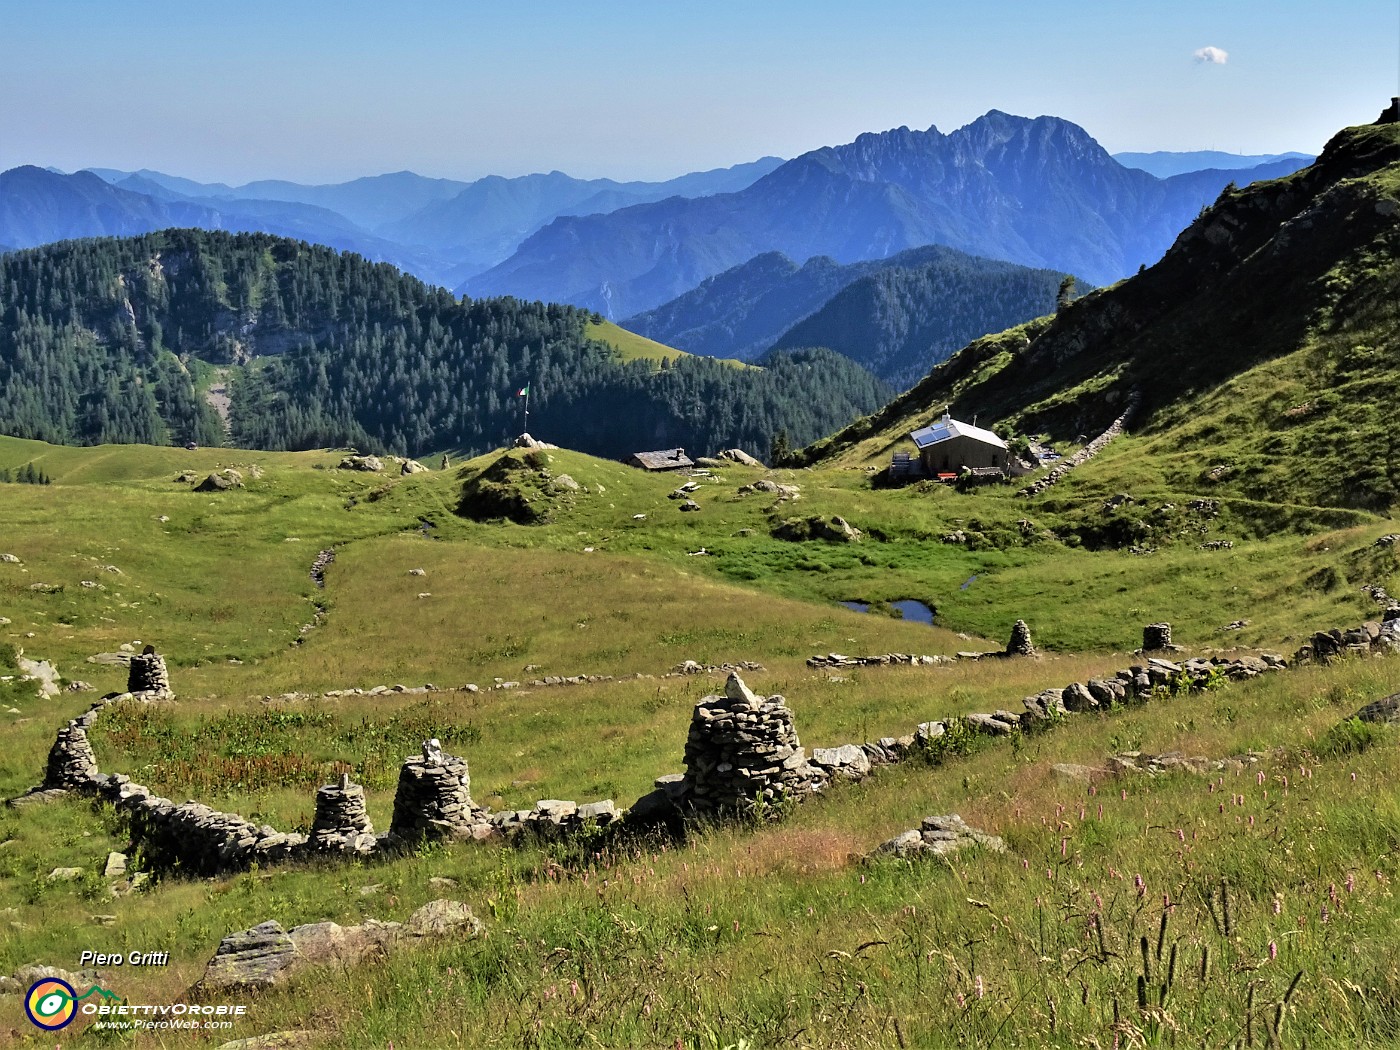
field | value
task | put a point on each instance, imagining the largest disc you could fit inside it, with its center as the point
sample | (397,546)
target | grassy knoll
(633,347)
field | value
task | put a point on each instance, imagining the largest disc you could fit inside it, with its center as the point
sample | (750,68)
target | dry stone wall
(742,754)
(1085,454)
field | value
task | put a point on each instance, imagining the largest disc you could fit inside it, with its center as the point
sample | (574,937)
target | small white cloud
(1214,56)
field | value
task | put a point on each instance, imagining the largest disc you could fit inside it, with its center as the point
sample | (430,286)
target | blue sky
(323,91)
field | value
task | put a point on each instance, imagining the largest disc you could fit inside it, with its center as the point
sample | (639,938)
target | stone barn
(947,446)
(666,459)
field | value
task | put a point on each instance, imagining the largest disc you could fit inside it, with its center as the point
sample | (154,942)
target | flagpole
(527,408)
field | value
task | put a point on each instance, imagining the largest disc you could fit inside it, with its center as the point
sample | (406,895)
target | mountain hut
(666,459)
(949,445)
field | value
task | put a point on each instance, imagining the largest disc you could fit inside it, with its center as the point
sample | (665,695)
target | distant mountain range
(1165,164)
(1038,192)
(897,316)
(440,230)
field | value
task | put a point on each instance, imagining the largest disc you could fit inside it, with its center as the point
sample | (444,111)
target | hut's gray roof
(948,428)
(665,459)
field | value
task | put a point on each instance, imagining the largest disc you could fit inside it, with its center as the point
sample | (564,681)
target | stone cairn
(742,751)
(1157,636)
(72,763)
(434,798)
(342,824)
(1020,644)
(148,674)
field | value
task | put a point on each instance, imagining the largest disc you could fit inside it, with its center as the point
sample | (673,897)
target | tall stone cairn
(1156,636)
(342,824)
(71,761)
(433,799)
(742,750)
(1020,644)
(148,674)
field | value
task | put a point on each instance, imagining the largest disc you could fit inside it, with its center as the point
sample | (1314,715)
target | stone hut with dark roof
(665,459)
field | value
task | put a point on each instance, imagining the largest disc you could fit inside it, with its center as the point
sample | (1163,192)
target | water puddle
(909,609)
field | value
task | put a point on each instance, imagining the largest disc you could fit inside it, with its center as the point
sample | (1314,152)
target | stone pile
(1085,454)
(1157,637)
(692,667)
(341,823)
(147,675)
(555,818)
(319,566)
(72,764)
(837,660)
(1020,643)
(1369,637)
(1138,683)
(939,837)
(743,750)
(434,799)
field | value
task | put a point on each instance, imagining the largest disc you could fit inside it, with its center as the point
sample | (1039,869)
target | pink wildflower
(1140,884)
(1273,950)
(1351,883)
(978,987)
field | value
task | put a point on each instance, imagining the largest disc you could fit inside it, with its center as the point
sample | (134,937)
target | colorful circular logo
(51,1004)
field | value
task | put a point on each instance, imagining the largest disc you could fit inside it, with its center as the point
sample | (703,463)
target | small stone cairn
(147,675)
(72,763)
(1157,637)
(434,798)
(341,824)
(743,750)
(1020,644)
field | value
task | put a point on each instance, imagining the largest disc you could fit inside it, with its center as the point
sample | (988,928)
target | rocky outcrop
(268,955)
(938,837)
(738,455)
(371,464)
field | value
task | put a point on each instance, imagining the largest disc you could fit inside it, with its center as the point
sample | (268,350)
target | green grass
(633,347)
(776,935)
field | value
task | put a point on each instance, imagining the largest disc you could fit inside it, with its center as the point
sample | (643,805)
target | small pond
(909,608)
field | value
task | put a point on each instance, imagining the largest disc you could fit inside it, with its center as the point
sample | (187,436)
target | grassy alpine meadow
(1263,894)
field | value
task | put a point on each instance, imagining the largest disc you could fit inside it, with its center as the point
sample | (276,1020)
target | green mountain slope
(110,341)
(1262,347)
(901,320)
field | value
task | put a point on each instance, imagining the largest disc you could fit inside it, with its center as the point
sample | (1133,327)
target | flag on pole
(524,391)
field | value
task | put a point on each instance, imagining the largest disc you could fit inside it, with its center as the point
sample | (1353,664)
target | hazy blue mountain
(488,219)
(1164,164)
(368,202)
(1038,192)
(39,207)
(444,230)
